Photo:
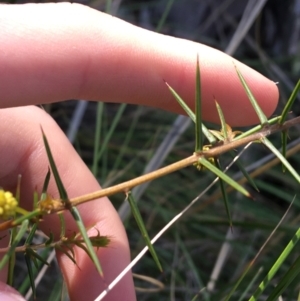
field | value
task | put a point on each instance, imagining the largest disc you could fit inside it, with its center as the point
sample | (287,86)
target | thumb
(7,293)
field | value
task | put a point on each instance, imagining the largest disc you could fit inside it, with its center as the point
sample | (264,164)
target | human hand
(53,52)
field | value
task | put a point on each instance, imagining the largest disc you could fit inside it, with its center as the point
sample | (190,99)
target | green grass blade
(128,138)
(191,114)
(250,285)
(223,122)
(224,194)
(277,153)
(198,109)
(289,103)
(15,243)
(289,276)
(164,16)
(284,136)
(261,115)
(111,130)
(193,268)
(223,176)
(91,252)
(99,115)
(140,223)
(278,263)
(62,191)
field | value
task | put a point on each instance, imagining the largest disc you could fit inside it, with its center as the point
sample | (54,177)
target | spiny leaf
(261,115)
(223,122)
(277,153)
(15,243)
(191,114)
(46,181)
(71,257)
(73,210)
(62,191)
(91,252)
(99,240)
(140,223)
(34,255)
(31,234)
(289,103)
(198,108)
(223,176)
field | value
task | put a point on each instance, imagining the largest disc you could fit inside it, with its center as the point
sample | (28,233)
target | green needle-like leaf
(74,211)
(223,122)
(62,225)
(283,160)
(223,176)
(140,223)
(279,262)
(91,252)
(261,115)
(15,243)
(50,239)
(289,103)
(12,259)
(46,182)
(62,191)
(68,251)
(198,109)
(256,128)
(34,255)
(191,114)
(31,234)
(30,274)
(224,194)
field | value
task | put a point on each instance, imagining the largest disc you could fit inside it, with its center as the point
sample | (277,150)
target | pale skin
(54,52)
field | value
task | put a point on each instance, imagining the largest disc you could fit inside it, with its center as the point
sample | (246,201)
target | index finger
(53,52)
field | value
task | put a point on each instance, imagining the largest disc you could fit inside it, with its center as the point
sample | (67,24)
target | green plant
(205,158)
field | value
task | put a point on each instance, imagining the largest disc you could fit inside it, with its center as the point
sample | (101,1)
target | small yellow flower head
(8,204)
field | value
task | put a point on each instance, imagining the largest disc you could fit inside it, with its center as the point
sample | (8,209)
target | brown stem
(213,152)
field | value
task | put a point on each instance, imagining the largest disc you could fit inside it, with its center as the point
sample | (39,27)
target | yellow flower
(8,204)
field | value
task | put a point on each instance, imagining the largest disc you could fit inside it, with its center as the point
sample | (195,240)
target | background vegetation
(200,250)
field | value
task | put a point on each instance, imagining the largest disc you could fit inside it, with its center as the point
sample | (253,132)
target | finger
(22,152)
(7,293)
(61,51)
